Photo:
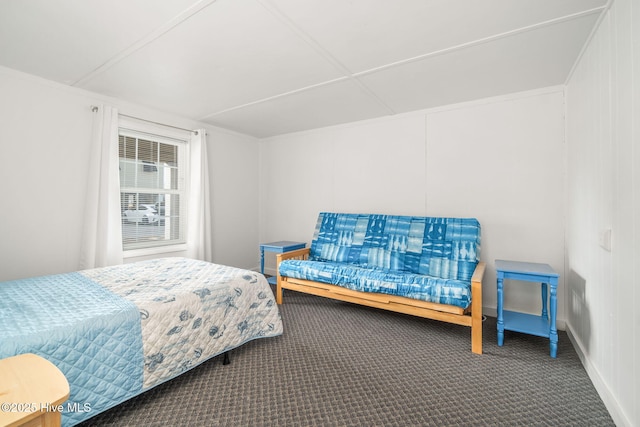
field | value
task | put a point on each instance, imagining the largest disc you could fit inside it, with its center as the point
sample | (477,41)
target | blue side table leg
(261,260)
(553,332)
(500,316)
(544,301)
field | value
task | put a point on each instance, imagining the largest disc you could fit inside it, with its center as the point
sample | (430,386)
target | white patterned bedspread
(191,310)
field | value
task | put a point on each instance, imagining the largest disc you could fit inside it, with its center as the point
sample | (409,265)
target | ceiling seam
(484,40)
(280,95)
(278,14)
(587,42)
(356,76)
(155,34)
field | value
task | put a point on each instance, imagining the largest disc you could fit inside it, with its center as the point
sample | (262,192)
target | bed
(118,331)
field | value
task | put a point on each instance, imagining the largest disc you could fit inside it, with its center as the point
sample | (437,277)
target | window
(152,189)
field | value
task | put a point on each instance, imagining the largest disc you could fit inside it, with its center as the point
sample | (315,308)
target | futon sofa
(422,266)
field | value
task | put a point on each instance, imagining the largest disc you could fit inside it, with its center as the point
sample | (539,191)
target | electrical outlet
(604,239)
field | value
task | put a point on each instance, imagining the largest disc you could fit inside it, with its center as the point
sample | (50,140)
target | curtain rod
(95,109)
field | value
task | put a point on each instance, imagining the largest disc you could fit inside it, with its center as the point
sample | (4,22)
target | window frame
(158,133)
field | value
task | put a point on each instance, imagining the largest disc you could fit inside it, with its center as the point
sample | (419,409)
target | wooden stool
(31,392)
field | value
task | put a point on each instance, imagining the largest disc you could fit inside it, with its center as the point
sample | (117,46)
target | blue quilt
(117,331)
(80,327)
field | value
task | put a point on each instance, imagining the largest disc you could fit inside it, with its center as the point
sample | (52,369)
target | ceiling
(269,67)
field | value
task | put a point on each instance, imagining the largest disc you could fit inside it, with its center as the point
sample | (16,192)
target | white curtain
(102,236)
(199,241)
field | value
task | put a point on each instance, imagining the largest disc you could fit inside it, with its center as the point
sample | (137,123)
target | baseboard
(610,402)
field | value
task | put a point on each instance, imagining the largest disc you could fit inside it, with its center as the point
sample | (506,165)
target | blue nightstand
(543,325)
(278,247)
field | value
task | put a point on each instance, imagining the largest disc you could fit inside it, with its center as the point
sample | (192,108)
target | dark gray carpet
(339,364)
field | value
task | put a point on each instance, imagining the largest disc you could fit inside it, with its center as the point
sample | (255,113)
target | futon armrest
(476,308)
(478,273)
(298,254)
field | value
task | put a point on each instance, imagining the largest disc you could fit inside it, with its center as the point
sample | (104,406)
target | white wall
(45,132)
(603,169)
(500,160)
(234,175)
(44,151)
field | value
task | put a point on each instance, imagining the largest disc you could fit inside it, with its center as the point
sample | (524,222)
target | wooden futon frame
(472,316)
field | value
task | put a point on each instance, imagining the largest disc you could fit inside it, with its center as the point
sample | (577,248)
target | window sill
(134,253)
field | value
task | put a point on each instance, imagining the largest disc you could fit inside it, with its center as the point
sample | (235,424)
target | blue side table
(543,325)
(278,247)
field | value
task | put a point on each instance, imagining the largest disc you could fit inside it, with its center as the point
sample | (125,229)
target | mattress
(448,248)
(118,331)
(366,279)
